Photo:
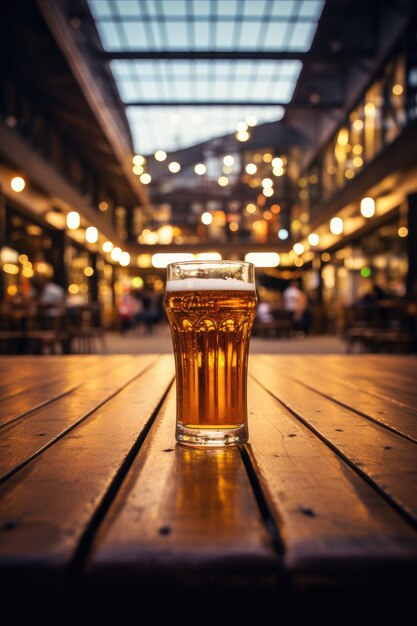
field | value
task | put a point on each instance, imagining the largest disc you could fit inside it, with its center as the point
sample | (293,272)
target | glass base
(207,437)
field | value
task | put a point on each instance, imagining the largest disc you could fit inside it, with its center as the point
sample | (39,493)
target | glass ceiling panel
(175,8)
(254,7)
(173,128)
(205,24)
(230,81)
(202,25)
(226,7)
(127,7)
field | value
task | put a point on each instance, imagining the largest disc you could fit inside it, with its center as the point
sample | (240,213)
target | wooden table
(317,513)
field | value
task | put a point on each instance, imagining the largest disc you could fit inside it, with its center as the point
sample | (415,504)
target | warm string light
(73,220)
(145,178)
(206,218)
(336,226)
(298,248)
(367,207)
(124,259)
(174,167)
(91,234)
(17,184)
(313,239)
(200,169)
(116,254)
(160,155)
(242,135)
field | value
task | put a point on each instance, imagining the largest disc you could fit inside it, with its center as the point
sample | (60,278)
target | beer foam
(209,284)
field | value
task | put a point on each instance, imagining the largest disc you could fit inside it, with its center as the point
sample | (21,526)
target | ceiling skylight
(147,27)
(174,128)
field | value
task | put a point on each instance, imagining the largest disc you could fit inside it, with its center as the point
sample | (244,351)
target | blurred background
(134,133)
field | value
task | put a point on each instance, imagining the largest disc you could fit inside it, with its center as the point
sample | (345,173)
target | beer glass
(210,307)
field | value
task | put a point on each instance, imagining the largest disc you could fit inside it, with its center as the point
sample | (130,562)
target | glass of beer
(210,307)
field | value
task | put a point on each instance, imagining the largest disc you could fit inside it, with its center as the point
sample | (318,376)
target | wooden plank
(387,460)
(30,397)
(403,365)
(17,373)
(382,363)
(21,440)
(183,517)
(318,377)
(49,505)
(380,382)
(333,525)
(26,374)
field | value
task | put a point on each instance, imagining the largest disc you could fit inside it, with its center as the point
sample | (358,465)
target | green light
(137,282)
(365,272)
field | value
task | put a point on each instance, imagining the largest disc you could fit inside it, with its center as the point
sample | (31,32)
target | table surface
(95,494)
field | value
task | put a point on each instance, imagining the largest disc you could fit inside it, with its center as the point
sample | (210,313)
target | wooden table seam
(332,398)
(405,514)
(4,477)
(78,562)
(66,392)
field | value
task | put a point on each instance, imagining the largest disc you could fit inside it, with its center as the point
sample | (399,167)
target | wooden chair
(47,329)
(13,325)
(383,326)
(85,329)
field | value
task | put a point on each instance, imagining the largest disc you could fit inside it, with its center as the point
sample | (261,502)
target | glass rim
(207,262)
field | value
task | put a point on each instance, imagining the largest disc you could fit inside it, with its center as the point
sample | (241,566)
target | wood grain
(49,505)
(332,523)
(379,382)
(403,365)
(376,406)
(50,381)
(387,460)
(18,374)
(183,516)
(22,439)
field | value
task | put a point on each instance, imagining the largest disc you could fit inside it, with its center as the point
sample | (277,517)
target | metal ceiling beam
(228,55)
(238,103)
(83,71)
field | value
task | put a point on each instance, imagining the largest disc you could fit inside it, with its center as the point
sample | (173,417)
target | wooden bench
(379,339)
(103,517)
(386,326)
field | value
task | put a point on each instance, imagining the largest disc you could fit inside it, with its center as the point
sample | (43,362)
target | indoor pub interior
(134,134)
(177,176)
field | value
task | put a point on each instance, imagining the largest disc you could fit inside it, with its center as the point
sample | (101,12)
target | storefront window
(377,258)
(374,123)
(79,272)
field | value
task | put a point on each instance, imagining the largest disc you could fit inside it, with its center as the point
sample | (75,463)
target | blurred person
(302,315)
(293,298)
(152,309)
(296,305)
(263,312)
(368,301)
(45,291)
(128,308)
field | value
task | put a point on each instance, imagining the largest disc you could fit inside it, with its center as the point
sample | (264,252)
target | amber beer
(211,319)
